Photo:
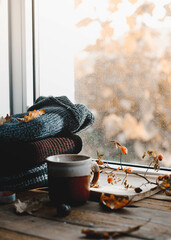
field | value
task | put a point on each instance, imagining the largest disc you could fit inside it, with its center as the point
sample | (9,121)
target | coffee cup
(70,177)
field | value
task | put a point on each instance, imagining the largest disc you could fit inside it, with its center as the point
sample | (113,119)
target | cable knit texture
(61,115)
(19,156)
(29,170)
(34,177)
(25,146)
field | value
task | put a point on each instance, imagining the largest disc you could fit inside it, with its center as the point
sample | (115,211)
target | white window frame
(20,53)
(4,66)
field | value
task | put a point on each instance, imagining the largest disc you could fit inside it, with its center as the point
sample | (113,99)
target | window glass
(121,70)
(123,74)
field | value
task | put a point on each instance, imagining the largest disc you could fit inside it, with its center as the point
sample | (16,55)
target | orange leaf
(114,202)
(99,156)
(124,150)
(31,115)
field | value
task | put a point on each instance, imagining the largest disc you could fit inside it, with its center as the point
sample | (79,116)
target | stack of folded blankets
(24,146)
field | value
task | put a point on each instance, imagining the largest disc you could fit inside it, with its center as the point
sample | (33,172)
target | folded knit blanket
(19,156)
(61,115)
(24,165)
(34,177)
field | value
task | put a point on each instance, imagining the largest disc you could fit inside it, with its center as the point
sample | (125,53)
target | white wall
(4,66)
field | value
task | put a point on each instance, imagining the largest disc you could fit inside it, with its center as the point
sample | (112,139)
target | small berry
(110,179)
(160,157)
(138,190)
(63,210)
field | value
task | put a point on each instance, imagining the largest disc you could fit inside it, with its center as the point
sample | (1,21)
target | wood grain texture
(44,224)
(13,235)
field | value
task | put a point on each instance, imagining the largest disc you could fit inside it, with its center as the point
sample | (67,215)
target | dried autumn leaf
(164,182)
(28,206)
(113,202)
(2,121)
(104,233)
(99,156)
(31,115)
(144,155)
(116,144)
(5,120)
(155,159)
(8,118)
(124,150)
(168,192)
(151,153)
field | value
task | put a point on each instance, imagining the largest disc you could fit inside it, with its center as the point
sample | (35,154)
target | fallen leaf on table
(100,233)
(28,206)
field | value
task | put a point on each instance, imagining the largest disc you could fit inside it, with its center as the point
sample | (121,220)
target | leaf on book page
(113,202)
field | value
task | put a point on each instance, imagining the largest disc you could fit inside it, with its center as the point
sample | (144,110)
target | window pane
(121,70)
(123,74)
(55,43)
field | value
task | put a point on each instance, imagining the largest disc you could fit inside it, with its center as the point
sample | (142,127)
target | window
(114,56)
(16,66)
(122,59)
(54,31)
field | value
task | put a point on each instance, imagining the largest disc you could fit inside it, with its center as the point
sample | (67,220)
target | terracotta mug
(69,178)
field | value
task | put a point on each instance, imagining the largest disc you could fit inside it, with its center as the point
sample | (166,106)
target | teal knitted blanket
(61,115)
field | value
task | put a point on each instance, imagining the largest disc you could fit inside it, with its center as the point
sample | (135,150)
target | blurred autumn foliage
(123,74)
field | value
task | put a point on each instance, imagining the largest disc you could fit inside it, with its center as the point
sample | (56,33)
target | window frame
(139,168)
(20,53)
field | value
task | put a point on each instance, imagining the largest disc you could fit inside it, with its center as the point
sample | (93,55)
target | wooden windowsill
(45,224)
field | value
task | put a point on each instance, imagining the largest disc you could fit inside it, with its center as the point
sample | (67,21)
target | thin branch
(137,174)
(148,168)
(121,160)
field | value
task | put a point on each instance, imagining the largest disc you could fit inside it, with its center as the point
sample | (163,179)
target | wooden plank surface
(44,224)
(8,235)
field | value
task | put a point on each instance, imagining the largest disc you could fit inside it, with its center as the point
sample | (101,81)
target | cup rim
(53,159)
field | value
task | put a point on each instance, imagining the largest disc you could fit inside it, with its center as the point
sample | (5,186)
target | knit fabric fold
(24,146)
(61,115)
(31,178)
(18,156)
(23,165)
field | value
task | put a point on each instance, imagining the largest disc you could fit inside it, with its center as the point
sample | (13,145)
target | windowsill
(136,181)
(138,168)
